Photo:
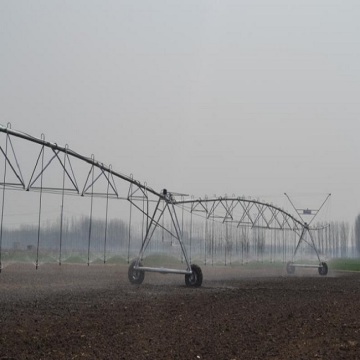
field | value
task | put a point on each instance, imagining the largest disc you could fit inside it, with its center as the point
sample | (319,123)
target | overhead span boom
(89,160)
(241,211)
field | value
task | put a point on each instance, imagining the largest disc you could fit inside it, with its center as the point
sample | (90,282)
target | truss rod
(88,160)
(245,203)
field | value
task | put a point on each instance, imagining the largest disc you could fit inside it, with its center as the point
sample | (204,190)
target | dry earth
(80,312)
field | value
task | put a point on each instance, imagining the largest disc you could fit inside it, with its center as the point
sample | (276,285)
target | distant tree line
(73,234)
(209,241)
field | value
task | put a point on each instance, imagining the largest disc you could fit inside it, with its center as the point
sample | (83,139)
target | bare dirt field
(81,312)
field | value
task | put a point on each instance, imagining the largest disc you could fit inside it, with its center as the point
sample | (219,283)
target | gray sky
(252,98)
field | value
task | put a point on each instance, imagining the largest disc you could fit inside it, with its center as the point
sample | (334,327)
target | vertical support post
(231,245)
(206,230)
(162,231)
(242,246)
(62,209)
(91,212)
(191,230)
(143,218)
(182,225)
(271,246)
(147,206)
(284,246)
(129,233)
(40,203)
(212,239)
(226,240)
(3,203)
(106,219)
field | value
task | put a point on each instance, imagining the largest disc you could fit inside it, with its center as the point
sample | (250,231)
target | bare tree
(357,234)
(344,237)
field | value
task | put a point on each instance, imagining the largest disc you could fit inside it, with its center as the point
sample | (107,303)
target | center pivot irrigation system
(153,205)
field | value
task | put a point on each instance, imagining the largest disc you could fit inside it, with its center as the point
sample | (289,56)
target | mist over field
(109,109)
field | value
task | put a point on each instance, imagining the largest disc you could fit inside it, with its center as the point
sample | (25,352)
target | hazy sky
(252,98)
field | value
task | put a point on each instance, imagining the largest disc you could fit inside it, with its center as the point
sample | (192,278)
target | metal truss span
(238,211)
(9,152)
(243,212)
(60,170)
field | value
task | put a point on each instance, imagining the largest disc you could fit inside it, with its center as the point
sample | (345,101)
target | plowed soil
(81,312)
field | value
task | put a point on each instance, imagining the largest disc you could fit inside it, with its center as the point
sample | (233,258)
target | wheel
(135,276)
(323,269)
(195,278)
(290,268)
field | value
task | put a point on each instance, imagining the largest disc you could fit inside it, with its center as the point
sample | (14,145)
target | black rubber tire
(195,279)
(323,269)
(290,269)
(135,276)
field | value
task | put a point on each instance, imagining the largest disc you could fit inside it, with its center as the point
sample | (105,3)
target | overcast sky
(252,98)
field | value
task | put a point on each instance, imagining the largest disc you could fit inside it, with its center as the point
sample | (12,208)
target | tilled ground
(73,312)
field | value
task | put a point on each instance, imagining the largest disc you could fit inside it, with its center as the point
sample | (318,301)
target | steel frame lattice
(235,211)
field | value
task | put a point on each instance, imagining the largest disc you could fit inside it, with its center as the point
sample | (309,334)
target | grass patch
(345,264)
(12,256)
(74,259)
(118,260)
(23,256)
